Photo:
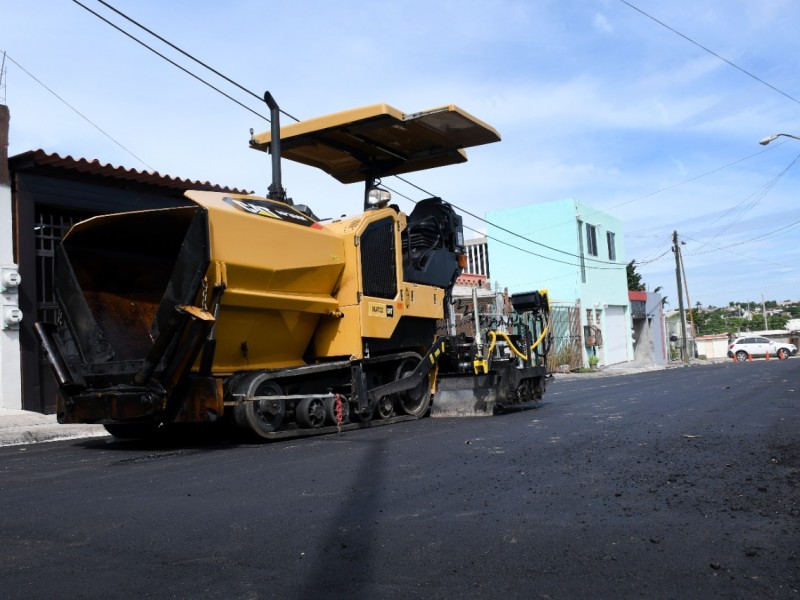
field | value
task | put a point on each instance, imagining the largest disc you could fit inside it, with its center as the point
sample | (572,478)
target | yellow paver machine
(255,311)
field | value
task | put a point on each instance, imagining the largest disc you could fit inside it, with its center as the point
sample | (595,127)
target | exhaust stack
(276,191)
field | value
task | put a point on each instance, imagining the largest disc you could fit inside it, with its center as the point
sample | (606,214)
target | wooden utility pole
(688,299)
(676,248)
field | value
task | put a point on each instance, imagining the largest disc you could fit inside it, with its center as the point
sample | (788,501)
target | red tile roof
(39,161)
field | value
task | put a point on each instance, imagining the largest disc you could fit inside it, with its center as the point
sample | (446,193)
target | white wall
(10,363)
(712,346)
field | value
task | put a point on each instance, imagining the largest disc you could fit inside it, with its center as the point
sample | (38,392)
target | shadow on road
(345,565)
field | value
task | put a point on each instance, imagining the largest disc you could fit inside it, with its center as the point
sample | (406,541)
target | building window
(612,248)
(477,257)
(591,240)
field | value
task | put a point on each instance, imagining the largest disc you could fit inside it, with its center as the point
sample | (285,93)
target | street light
(770,138)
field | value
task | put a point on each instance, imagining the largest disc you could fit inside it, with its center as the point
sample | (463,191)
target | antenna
(3,80)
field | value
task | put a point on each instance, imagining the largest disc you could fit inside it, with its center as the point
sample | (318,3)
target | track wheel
(363,417)
(384,408)
(265,415)
(310,413)
(331,410)
(415,401)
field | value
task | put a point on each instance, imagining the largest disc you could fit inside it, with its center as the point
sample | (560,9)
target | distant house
(577,253)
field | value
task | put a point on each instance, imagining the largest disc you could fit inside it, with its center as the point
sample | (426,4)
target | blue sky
(594,101)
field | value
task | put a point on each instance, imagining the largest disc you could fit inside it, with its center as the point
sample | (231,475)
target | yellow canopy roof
(379,140)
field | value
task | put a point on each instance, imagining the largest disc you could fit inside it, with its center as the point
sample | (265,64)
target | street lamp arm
(770,138)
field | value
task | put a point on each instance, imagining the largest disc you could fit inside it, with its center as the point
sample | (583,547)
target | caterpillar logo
(381,310)
(271,209)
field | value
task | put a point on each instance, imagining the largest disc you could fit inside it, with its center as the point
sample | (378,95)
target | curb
(21,427)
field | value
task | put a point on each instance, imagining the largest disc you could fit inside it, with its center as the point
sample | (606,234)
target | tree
(635,283)
(777,321)
(664,300)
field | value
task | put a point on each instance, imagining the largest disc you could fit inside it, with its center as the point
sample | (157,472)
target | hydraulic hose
(494,334)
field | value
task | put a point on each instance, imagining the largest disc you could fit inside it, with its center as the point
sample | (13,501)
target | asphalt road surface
(682,483)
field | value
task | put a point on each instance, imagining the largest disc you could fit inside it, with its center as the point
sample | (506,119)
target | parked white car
(743,347)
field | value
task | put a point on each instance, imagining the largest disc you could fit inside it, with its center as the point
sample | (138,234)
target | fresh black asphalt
(682,483)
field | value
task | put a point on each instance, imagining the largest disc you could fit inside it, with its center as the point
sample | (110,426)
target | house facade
(577,253)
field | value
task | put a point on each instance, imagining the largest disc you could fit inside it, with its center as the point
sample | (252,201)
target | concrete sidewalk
(630,368)
(21,427)
(614,370)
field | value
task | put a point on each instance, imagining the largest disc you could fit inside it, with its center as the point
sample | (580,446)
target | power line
(652,260)
(783,285)
(522,237)
(670,187)
(695,178)
(510,245)
(170,61)
(218,73)
(727,249)
(231,81)
(186,54)
(773,233)
(722,58)
(77,112)
(758,198)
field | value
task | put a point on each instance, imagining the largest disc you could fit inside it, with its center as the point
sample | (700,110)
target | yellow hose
(494,335)
(541,337)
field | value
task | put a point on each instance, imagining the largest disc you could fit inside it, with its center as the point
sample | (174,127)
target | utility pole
(688,298)
(676,248)
(764,312)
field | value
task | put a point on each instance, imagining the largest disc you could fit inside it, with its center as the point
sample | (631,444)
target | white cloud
(601,23)
(593,101)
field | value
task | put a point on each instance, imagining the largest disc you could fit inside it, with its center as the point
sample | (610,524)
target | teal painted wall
(558,259)
(522,266)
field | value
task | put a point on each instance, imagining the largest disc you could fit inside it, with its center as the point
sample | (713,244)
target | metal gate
(565,323)
(50,226)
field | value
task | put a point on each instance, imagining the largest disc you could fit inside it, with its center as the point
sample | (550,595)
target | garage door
(615,335)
